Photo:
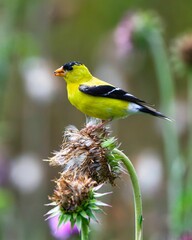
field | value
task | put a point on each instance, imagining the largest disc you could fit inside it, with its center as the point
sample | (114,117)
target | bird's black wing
(109,91)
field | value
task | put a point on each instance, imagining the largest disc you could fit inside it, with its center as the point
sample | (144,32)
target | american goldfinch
(97,98)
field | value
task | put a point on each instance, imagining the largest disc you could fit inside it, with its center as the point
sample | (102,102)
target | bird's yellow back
(99,107)
(97,98)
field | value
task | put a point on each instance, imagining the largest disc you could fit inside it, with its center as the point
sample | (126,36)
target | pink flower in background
(135,29)
(123,35)
(186,236)
(63,232)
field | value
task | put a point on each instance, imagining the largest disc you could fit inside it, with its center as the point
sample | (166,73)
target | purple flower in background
(63,232)
(186,236)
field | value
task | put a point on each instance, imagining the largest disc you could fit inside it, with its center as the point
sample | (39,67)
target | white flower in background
(26,173)
(38,79)
(150,172)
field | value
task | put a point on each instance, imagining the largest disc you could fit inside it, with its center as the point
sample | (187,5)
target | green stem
(186,211)
(166,91)
(136,193)
(171,141)
(84,229)
(190,118)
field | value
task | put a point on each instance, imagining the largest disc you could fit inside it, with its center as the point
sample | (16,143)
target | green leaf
(61,219)
(92,201)
(83,214)
(78,221)
(74,215)
(67,218)
(92,215)
(109,143)
(94,207)
(73,221)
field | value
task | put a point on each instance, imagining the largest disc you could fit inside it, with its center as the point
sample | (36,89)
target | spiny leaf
(92,215)
(98,195)
(67,218)
(99,203)
(109,143)
(51,204)
(83,214)
(52,215)
(72,220)
(74,215)
(93,201)
(53,210)
(94,207)
(61,219)
(78,222)
(97,188)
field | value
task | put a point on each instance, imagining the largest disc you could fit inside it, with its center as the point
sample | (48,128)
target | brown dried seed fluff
(81,152)
(186,49)
(72,191)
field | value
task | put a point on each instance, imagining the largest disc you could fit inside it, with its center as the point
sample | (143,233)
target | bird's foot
(92,128)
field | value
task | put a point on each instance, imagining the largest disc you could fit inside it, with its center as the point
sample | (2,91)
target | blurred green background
(36,37)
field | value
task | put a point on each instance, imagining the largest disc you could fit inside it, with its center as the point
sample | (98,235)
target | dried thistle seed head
(82,152)
(186,50)
(182,54)
(72,191)
(146,23)
(87,160)
(75,199)
(134,30)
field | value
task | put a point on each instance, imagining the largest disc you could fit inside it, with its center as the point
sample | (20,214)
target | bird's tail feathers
(152,111)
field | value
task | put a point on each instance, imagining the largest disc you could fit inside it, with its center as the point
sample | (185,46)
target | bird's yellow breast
(98,107)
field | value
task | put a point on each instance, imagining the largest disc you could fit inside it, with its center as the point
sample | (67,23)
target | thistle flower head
(72,192)
(87,160)
(146,24)
(135,28)
(88,151)
(74,200)
(182,54)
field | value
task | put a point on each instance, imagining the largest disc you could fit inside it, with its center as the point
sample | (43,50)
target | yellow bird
(97,98)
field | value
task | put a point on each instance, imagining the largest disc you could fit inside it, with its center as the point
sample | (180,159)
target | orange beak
(59,72)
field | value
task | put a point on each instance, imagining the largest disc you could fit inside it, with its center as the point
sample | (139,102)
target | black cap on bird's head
(69,66)
(66,67)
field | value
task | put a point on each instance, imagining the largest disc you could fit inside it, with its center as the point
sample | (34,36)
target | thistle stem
(170,136)
(136,194)
(189,157)
(190,115)
(84,229)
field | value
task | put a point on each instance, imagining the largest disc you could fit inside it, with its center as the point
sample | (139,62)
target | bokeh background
(128,43)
